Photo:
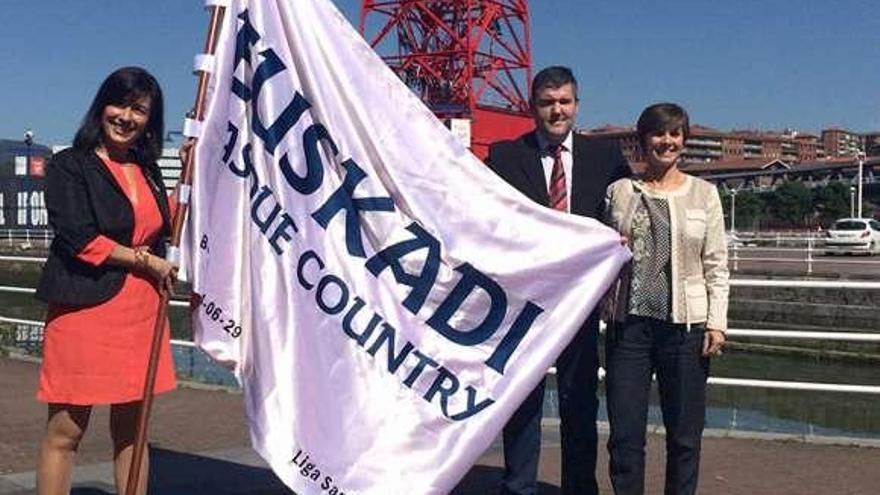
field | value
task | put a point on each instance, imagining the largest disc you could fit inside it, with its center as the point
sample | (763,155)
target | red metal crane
(466,59)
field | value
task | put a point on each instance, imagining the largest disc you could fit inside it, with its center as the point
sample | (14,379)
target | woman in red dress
(111,217)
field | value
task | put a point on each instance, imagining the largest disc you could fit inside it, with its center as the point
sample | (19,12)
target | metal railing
(807,246)
(26,238)
(858,337)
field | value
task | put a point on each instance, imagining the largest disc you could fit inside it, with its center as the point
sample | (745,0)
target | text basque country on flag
(386,300)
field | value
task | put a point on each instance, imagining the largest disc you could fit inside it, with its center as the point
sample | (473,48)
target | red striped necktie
(558,190)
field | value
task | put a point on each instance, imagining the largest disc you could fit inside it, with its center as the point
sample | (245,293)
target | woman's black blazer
(84,200)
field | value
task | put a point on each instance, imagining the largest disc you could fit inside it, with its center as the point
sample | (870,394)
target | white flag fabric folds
(386,300)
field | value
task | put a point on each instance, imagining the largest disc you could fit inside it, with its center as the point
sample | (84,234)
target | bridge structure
(761,176)
(470,61)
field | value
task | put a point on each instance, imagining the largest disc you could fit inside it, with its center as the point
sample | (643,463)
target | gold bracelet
(141,257)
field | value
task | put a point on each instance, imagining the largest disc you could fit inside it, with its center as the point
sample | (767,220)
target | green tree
(869,209)
(832,202)
(792,204)
(750,210)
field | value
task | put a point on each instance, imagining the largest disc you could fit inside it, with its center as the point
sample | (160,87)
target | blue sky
(766,64)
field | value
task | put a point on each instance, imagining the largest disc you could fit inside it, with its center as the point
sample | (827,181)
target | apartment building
(705,144)
(841,142)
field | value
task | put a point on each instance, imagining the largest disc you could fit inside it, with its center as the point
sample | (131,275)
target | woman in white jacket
(669,308)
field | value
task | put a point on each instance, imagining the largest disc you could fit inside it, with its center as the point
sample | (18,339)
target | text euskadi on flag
(386,300)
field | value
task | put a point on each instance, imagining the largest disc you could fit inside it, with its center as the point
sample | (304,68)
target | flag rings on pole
(192,128)
(217,3)
(203,62)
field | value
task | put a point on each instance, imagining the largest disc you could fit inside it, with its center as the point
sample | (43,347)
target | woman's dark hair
(662,117)
(123,87)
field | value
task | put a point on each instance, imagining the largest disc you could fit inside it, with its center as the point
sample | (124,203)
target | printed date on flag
(215,314)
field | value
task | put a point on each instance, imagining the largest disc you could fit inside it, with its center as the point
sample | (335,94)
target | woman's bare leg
(123,429)
(64,429)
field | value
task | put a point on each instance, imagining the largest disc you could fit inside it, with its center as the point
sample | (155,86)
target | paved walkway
(199,445)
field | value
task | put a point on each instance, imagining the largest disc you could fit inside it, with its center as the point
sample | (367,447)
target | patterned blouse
(650,289)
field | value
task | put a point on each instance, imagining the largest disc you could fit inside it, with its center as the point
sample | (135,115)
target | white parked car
(853,236)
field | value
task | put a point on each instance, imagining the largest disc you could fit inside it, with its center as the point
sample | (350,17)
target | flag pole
(185,182)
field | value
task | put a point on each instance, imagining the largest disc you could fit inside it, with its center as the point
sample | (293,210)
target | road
(794,262)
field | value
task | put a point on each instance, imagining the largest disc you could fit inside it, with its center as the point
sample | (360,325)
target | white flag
(387,300)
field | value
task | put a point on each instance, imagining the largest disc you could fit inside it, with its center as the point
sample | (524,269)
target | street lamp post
(860,156)
(852,201)
(732,211)
(28,141)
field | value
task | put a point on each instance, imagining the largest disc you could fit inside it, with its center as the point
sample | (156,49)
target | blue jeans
(634,350)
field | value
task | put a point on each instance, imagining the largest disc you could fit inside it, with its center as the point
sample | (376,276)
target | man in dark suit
(559,169)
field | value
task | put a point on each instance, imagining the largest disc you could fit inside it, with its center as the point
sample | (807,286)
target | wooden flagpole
(134,473)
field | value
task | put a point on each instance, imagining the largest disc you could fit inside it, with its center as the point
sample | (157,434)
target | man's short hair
(662,117)
(553,77)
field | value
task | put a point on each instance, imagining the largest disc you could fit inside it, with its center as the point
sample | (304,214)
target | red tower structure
(469,60)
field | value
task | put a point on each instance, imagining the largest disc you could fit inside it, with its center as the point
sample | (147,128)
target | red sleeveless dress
(98,354)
